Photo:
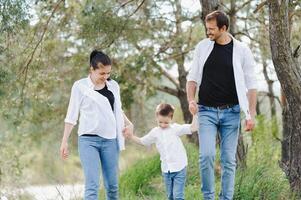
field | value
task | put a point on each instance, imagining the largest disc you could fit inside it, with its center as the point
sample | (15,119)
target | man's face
(213,31)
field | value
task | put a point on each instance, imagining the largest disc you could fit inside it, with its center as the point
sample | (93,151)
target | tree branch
(242,6)
(296,51)
(259,6)
(263,93)
(168,90)
(25,69)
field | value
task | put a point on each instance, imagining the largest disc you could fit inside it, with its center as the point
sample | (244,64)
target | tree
(289,74)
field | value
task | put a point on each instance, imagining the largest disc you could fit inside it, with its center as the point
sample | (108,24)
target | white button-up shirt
(243,67)
(172,152)
(96,114)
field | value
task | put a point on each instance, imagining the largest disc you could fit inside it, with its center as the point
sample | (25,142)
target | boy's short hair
(165,109)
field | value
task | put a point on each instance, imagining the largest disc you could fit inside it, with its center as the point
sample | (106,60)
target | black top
(218,83)
(107,93)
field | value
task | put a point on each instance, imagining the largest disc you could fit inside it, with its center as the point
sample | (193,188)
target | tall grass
(262,179)
(134,181)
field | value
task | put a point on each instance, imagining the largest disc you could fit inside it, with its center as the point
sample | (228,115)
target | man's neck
(223,39)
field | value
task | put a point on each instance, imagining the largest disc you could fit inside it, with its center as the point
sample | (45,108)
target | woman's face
(101,74)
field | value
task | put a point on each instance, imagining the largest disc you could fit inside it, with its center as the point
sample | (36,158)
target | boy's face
(163,121)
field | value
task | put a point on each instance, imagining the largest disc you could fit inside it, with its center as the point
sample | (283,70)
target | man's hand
(249,124)
(193,107)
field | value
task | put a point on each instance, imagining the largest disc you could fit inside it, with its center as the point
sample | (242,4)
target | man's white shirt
(243,67)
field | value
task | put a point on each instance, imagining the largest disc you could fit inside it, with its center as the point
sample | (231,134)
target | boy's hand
(194,124)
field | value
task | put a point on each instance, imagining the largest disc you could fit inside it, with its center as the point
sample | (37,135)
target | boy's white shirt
(171,149)
(96,115)
(243,67)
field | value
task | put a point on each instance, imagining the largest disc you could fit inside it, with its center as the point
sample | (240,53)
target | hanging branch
(25,69)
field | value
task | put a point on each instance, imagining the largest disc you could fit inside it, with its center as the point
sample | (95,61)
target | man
(223,72)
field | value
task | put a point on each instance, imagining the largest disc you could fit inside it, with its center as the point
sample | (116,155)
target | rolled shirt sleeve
(74,105)
(249,69)
(194,74)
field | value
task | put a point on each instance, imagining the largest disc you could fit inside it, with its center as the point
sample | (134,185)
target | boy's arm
(194,124)
(146,140)
(187,129)
(136,139)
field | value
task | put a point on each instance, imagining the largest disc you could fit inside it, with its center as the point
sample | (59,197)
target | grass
(262,179)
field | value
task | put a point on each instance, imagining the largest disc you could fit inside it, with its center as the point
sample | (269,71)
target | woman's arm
(128,127)
(64,145)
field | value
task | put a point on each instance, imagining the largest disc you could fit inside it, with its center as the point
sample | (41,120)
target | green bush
(138,176)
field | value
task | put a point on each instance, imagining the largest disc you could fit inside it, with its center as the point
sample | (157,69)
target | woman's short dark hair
(99,59)
(165,109)
(220,17)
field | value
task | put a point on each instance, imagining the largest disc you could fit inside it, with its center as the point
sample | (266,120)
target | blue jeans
(175,184)
(226,122)
(92,152)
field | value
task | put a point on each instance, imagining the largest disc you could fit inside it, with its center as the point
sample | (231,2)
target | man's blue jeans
(175,184)
(226,122)
(94,151)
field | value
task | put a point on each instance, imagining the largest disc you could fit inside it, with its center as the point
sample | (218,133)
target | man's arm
(252,97)
(191,90)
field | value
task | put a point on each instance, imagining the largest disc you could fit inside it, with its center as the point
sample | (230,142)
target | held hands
(193,108)
(128,131)
(194,125)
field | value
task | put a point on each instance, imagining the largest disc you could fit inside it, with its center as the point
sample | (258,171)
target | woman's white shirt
(94,110)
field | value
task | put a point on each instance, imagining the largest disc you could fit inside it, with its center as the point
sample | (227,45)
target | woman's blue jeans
(175,184)
(226,122)
(95,152)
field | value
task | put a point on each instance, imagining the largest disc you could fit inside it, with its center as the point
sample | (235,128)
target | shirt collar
(91,84)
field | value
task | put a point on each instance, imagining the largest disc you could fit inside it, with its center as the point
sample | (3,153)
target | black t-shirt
(107,93)
(218,84)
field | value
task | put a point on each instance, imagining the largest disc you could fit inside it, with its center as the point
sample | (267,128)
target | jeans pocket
(235,109)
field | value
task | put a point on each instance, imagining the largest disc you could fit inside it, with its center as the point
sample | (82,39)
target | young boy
(173,157)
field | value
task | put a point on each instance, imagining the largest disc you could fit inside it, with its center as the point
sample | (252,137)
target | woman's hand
(128,131)
(64,150)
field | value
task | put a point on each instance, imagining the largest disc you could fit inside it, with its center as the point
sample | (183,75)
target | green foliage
(134,179)
(263,179)
(13,15)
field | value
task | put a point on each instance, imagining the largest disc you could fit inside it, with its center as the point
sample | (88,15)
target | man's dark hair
(165,109)
(220,17)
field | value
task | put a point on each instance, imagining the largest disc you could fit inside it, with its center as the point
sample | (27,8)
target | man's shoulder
(204,42)
(241,44)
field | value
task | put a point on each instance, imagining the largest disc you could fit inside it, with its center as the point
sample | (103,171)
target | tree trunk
(270,83)
(207,7)
(289,75)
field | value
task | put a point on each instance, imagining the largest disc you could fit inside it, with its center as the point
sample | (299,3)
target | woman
(101,122)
